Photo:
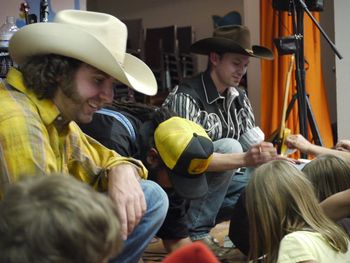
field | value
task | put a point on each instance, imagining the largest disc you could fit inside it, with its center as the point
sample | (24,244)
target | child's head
(281,200)
(57,219)
(328,174)
(279,195)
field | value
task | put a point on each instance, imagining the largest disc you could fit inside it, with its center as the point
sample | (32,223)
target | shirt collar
(46,108)
(210,90)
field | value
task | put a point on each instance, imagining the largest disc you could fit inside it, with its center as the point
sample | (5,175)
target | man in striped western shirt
(214,100)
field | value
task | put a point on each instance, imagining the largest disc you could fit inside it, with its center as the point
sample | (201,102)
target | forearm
(256,155)
(337,206)
(297,141)
(317,150)
(226,161)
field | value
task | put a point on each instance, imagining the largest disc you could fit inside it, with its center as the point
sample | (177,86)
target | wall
(328,57)
(252,21)
(157,13)
(342,40)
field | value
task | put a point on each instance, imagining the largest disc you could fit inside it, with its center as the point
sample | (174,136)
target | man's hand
(125,191)
(260,153)
(297,141)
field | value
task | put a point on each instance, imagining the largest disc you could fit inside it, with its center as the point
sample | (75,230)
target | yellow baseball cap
(186,150)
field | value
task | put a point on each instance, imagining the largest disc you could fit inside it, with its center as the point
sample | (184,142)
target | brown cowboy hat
(231,39)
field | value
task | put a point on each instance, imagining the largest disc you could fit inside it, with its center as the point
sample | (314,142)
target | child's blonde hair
(280,200)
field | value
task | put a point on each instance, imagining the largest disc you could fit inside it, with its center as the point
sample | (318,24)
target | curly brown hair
(44,74)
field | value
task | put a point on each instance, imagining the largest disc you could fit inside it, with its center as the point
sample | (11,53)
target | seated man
(67,71)
(139,139)
(114,131)
(34,227)
(215,100)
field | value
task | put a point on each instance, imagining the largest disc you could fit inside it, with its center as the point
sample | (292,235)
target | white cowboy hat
(97,39)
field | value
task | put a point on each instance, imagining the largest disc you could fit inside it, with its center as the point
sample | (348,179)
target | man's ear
(214,58)
(152,157)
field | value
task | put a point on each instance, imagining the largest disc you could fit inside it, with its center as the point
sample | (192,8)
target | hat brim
(216,44)
(72,41)
(190,187)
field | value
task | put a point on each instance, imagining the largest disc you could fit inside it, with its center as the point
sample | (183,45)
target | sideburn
(68,87)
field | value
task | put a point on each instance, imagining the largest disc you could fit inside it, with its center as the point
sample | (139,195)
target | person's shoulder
(312,246)
(295,247)
(241,90)
(134,120)
(305,239)
(302,234)
(191,86)
(190,82)
(16,105)
(108,123)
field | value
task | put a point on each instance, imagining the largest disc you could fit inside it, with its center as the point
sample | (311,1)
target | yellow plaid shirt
(35,140)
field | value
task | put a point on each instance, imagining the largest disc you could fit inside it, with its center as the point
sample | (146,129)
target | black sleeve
(111,133)
(239,226)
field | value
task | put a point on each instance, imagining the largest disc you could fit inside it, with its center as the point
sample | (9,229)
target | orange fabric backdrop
(275,24)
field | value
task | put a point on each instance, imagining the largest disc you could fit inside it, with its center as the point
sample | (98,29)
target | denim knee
(227,145)
(157,207)
(156,198)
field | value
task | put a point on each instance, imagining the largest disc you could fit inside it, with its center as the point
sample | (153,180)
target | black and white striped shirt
(226,116)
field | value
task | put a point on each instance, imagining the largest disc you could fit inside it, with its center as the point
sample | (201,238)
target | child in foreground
(56,218)
(286,222)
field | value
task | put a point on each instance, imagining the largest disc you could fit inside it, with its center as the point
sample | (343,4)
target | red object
(192,253)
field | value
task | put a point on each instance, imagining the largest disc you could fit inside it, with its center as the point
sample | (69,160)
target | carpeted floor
(156,252)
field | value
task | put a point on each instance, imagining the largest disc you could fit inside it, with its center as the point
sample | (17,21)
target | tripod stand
(305,113)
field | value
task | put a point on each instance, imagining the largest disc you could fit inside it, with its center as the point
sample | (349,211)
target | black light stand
(305,8)
(298,7)
(298,28)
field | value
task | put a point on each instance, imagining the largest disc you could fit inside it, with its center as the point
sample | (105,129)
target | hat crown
(186,149)
(236,33)
(107,29)
(231,39)
(190,146)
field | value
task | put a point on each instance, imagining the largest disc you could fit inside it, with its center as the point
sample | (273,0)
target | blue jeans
(238,182)
(202,213)
(138,240)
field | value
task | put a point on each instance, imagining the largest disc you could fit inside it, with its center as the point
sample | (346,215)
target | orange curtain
(275,24)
